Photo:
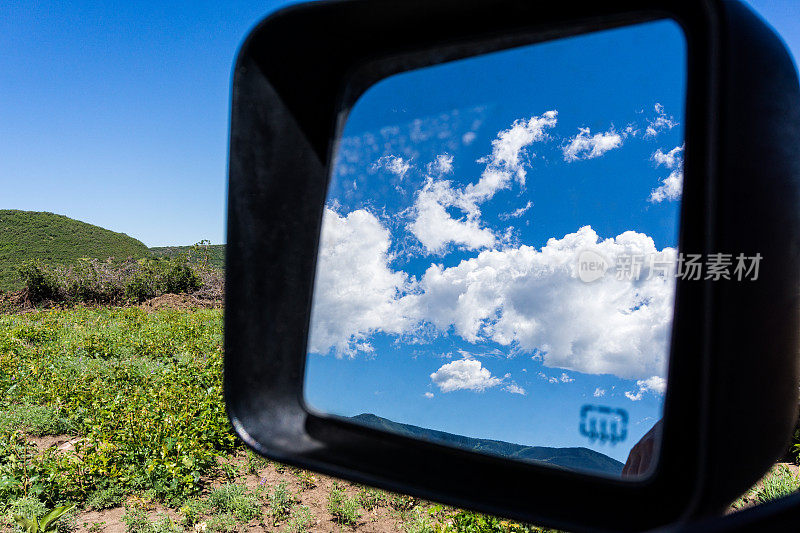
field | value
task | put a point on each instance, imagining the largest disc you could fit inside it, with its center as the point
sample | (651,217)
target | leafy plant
(280,502)
(300,520)
(45,524)
(236,500)
(343,508)
(306,479)
(370,498)
(105,498)
(779,483)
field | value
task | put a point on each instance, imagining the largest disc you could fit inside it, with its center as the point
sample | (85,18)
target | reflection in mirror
(497,261)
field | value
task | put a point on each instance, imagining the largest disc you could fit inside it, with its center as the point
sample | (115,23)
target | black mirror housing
(733,371)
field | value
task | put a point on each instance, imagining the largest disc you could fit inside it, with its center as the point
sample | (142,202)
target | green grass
(143,391)
(57,240)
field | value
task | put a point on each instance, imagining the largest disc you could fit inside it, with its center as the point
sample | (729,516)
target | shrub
(39,281)
(343,509)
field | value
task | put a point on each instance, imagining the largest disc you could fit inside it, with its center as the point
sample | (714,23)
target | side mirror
(720,351)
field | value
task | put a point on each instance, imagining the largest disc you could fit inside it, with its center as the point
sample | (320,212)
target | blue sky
(116,114)
(595,110)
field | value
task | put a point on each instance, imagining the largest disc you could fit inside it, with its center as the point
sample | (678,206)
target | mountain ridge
(574,458)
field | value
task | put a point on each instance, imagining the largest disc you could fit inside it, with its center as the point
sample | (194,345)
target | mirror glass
(498,252)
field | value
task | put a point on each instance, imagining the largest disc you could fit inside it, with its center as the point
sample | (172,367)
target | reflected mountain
(580,459)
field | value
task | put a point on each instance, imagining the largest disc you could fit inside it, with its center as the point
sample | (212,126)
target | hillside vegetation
(27,236)
(213,254)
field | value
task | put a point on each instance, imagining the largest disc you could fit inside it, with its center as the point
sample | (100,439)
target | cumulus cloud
(587,146)
(464,374)
(660,122)
(428,395)
(672,186)
(654,385)
(532,300)
(598,392)
(507,160)
(468,137)
(436,228)
(356,293)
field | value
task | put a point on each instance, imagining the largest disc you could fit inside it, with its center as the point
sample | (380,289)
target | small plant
(223,523)
(280,468)
(236,500)
(306,479)
(94,527)
(420,522)
(45,524)
(300,520)
(135,520)
(370,498)
(344,509)
(402,502)
(779,483)
(280,503)
(105,498)
(256,463)
(229,470)
(191,511)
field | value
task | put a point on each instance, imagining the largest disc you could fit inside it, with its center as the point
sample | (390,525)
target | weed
(779,483)
(35,523)
(256,463)
(94,527)
(300,520)
(402,502)
(343,508)
(280,467)
(105,498)
(280,503)
(306,479)
(370,498)
(236,500)
(223,523)
(36,420)
(192,510)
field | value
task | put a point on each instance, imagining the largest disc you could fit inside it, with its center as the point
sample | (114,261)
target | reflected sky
(447,295)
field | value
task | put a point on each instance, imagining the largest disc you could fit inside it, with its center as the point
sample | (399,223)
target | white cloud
(566,378)
(394,164)
(513,388)
(670,189)
(355,292)
(436,228)
(654,384)
(428,395)
(506,162)
(670,159)
(587,146)
(464,374)
(443,164)
(517,212)
(660,122)
(598,392)
(468,137)
(532,300)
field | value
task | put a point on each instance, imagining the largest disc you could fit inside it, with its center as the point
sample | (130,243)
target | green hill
(216,253)
(56,240)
